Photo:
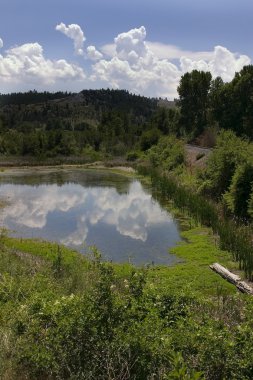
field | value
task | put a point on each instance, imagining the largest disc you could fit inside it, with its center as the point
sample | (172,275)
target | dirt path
(196,156)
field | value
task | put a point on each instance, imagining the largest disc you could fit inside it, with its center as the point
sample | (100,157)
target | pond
(82,208)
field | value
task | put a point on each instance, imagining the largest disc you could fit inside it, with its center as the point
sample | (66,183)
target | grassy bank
(85,160)
(65,316)
(233,235)
(193,274)
(197,251)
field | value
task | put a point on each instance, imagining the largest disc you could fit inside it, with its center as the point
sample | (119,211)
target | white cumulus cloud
(131,45)
(145,67)
(222,63)
(135,67)
(225,63)
(167,51)
(93,53)
(130,62)
(74,32)
(27,64)
(1,43)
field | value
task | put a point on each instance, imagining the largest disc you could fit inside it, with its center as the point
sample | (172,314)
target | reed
(234,236)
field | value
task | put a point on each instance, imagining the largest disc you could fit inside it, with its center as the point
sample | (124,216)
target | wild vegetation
(47,125)
(64,316)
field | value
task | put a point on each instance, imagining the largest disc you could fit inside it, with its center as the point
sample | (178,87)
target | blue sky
(178,36)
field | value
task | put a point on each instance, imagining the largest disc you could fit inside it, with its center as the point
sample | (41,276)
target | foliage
(116,329)
(49,125)
(232,104)
(149,138)
(212,103)
(229,153)
(193,93)
(238,196)
(233,236)
(166,120)
(133,155)
(250,205)
(121,322)
(167,154)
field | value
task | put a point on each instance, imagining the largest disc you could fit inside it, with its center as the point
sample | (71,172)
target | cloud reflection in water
(72,213)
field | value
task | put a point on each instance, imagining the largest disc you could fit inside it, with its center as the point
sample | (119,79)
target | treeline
(205,102)
(31,97)
(110,121)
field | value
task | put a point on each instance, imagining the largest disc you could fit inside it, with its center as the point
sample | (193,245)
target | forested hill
(31,97)
(109,99)
(66,123)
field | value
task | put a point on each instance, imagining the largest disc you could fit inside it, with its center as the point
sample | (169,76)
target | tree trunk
(233,278)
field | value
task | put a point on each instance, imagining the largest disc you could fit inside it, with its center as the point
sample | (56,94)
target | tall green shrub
(229,153)
(167,154)
(237,198)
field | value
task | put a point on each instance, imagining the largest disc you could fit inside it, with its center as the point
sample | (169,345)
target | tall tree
(232,103)
(193,93)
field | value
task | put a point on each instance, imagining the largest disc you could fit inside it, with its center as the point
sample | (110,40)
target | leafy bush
(122,325)
(149,138)
(238,196)
(167,154)
(133,156)
(250,204)
(229,153)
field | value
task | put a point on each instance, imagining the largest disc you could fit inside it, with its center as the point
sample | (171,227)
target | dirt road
(196,156)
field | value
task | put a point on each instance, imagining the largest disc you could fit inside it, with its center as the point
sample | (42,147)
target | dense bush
(115,325)
(47,125)
(168,154)
(238,196)
(229,153)
(149,138)
(234,236)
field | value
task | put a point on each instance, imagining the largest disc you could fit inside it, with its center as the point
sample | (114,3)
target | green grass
(42,248)
(64,314)
(197,251)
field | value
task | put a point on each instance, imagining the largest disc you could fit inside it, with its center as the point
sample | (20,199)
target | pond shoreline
(185,222)
(124,170)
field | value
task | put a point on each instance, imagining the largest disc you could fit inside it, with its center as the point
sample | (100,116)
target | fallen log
(234,279)
(244,287)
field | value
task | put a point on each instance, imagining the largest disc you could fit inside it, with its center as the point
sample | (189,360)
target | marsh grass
(233,235)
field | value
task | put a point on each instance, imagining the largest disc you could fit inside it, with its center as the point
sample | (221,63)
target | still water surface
(80,208)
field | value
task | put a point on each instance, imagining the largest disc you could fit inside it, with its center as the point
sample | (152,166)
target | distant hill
(85,106)
(66,123)
(110,98)
(31,97)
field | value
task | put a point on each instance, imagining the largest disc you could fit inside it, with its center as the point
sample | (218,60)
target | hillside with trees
(44,124)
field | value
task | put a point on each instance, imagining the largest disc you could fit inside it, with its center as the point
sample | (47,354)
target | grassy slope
(196,253)
(45,296)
